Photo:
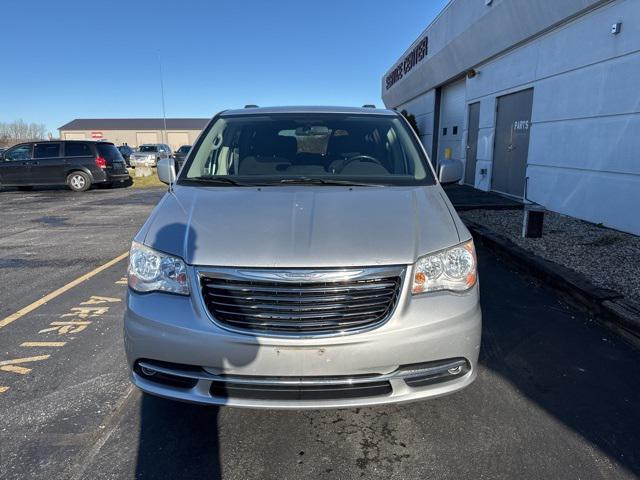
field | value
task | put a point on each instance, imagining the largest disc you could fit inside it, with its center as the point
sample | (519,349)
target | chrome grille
(301,301)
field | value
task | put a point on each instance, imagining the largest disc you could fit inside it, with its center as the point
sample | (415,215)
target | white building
(537,98)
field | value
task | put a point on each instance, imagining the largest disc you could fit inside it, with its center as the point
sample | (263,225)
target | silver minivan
(303,257)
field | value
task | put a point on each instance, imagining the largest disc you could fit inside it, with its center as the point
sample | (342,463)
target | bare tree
(21,131)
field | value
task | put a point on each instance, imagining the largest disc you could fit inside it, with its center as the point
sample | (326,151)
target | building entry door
(511,146)
(472,144)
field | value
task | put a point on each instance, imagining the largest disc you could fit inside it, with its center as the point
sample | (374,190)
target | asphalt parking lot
(556,397)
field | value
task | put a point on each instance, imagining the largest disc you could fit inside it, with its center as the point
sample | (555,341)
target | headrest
(285,147)
(274,145)
(341,144)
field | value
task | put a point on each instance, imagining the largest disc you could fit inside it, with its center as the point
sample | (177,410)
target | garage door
(177,139)
(74,136)
(452,111)
(146,137)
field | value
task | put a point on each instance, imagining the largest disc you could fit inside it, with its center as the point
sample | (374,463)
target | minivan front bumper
(428,347)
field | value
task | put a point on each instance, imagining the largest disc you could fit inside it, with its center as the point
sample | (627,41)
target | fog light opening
(147,372)
(422,375)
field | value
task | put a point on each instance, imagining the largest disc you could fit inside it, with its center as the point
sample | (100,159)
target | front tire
(78,181)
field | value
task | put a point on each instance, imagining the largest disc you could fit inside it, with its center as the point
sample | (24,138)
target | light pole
(164,115)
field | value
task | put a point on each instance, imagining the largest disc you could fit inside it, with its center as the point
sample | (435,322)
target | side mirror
(166,170)
(450,171)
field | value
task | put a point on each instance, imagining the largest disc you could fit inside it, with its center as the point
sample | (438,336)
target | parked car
(304,258)
(180,154)
(149,154)
(79,164)
(126,151)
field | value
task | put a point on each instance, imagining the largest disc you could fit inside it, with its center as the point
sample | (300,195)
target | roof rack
(368,105)
(251,105)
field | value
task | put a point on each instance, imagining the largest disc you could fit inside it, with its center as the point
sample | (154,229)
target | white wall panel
(423,104)
(589,40)
(607,88)
(487,112)
(516,68)
(607,198)
(610,144)
(484,156)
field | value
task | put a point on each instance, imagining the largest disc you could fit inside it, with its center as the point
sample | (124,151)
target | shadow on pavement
(576,370)
(178,440)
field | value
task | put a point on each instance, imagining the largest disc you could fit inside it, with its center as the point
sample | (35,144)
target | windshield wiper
(219,180)
(327,181)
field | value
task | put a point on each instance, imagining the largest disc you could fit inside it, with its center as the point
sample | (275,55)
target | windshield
(148,148)
(318,148)
(184,149)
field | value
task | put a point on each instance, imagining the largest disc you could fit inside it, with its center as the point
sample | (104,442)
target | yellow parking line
(12,365)
(43,344)
(24,360)
(15,369)
(3,389)
(47,298)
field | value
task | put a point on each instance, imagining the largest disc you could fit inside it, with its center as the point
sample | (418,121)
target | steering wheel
(366,158)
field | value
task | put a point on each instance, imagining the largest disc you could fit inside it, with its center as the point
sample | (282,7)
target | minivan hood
(300,225)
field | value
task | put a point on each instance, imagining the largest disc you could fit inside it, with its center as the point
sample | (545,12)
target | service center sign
(96,135)
(411,60)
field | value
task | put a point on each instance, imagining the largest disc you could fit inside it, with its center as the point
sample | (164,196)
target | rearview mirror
(450,171)
(166,170)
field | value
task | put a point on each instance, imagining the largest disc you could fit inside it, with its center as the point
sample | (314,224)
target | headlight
(150,270)
(452,269)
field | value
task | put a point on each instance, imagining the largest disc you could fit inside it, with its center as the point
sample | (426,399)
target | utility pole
(164,115)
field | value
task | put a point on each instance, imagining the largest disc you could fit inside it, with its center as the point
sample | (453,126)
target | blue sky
(76,59)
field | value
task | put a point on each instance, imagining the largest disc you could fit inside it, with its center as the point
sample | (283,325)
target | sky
(80,59)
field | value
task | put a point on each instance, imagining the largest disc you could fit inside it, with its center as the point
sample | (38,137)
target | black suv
(180,154)
(77,163)
(125,151)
